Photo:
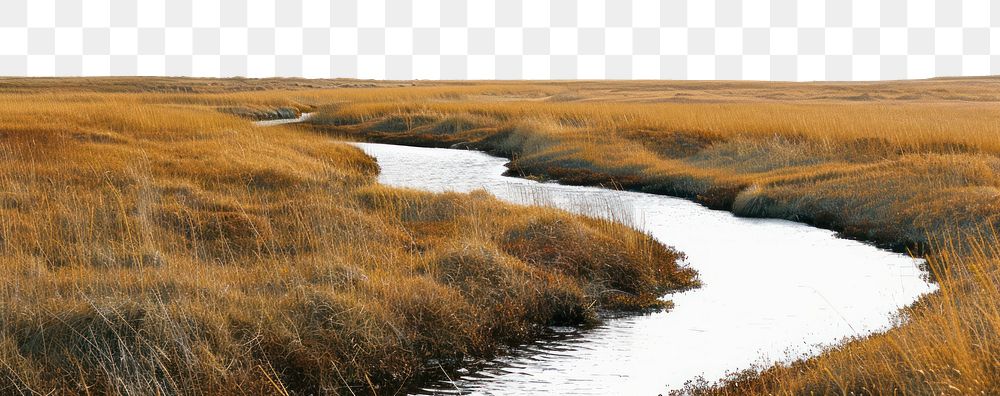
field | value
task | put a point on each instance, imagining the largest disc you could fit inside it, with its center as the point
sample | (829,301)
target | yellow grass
(892,162)
(151,243)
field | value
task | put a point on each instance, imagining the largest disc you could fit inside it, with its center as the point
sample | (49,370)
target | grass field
(143,217)
(154,243)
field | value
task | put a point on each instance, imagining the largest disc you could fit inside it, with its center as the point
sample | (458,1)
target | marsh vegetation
(156,241)
(155,244)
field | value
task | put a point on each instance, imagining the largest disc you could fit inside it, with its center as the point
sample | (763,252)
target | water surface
(281,121)
(773,289)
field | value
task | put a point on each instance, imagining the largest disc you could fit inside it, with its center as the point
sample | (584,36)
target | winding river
(773,290)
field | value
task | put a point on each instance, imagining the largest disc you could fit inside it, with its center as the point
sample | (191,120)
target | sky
(503,39)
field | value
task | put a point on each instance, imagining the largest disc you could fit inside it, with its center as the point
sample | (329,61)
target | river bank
(865,190)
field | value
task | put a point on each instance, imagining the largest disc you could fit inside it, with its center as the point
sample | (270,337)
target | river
(773,290)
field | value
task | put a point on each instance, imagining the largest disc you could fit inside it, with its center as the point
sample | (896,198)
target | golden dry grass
(891,162)
(154,244)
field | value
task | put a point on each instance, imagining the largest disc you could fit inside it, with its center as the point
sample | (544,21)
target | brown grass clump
(153,243)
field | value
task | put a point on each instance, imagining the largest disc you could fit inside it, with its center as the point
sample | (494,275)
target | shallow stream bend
(773,289)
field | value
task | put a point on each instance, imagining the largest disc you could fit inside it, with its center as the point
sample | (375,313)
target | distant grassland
(910,165)
(153,243)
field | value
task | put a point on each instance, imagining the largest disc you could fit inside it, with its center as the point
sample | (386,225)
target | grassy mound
(152,243)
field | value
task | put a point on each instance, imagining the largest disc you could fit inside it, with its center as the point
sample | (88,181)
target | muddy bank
(263,114)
